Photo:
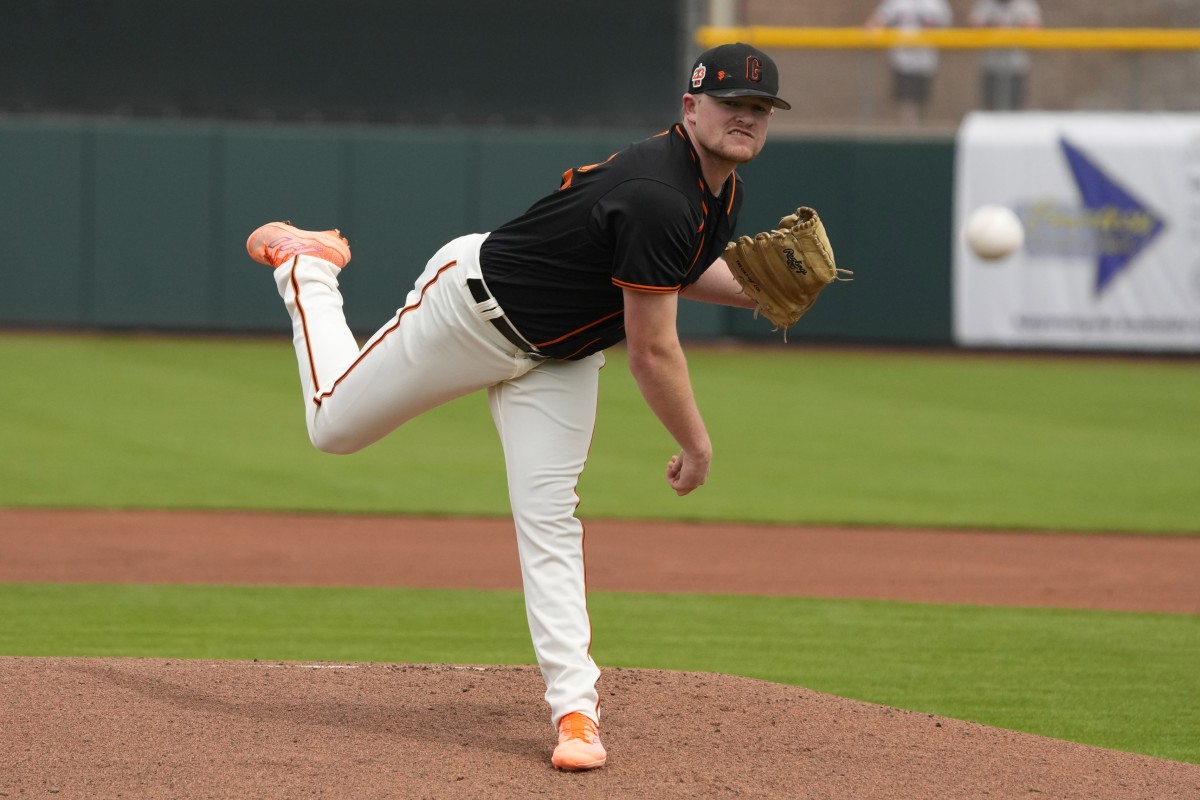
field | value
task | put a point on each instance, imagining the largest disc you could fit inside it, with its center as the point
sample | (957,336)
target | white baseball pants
(439,346)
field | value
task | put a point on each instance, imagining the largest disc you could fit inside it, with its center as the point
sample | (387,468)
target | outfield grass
(1122,681)
(801,436)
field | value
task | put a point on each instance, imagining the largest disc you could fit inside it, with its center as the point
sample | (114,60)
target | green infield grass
(1117,680)
(800,436)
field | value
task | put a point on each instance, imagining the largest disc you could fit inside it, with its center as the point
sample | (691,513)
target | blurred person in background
(913,68)
(1005,72)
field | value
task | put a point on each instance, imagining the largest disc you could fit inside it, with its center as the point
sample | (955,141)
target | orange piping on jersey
(732,192)
(679,130)
(637,287)
(696,160)
(696,257)
(579,330)
(591,167)
(318,399)
(579,349)
(569,175)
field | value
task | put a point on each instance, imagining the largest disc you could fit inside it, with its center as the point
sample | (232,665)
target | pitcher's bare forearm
(657,363)
(717,285)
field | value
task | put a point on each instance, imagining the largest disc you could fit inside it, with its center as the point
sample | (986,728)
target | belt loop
(495,315)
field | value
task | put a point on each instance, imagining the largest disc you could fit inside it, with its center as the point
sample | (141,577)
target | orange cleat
(579,745)
(277,242)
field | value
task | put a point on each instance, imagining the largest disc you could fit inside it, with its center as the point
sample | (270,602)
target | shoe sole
(580,767)
(568,767)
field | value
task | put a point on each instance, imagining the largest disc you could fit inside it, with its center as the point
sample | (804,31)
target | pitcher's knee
(335,442)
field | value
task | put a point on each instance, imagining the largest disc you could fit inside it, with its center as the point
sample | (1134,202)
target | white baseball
(994,232)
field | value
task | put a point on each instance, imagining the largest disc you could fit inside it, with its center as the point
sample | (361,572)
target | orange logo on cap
(721,75)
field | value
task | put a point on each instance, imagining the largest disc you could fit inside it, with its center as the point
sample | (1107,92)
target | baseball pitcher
(526,311)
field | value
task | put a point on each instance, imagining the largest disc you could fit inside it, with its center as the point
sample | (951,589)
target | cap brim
(775,101)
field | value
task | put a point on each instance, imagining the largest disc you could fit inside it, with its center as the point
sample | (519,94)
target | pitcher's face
(730,129)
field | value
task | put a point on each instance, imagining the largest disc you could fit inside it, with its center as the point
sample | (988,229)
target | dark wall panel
(45,270)
(151,241)
(450,61)
(144,224)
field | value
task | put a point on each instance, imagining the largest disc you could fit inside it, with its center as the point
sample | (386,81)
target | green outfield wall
(122,225)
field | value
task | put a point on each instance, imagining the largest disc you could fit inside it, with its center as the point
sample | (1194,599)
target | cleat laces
(578,726)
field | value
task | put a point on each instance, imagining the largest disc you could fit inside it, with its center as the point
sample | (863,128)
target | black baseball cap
(736,70)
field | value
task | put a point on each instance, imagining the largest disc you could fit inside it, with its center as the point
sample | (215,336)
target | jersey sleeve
(651,229)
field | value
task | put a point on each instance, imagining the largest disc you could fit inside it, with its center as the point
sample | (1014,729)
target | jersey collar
(730,186)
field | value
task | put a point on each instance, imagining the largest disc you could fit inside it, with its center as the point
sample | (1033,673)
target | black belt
(480,293)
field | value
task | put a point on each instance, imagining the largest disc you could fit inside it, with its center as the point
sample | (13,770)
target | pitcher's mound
(148,728)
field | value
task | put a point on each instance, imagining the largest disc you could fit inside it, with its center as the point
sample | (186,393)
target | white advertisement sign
(1110,205)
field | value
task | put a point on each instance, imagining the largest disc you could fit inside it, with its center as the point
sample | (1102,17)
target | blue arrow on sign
(1122,225)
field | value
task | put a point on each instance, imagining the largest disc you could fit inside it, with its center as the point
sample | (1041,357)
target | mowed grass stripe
(1118,680)
(800,435)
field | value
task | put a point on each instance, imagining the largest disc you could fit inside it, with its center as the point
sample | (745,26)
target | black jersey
(643,220)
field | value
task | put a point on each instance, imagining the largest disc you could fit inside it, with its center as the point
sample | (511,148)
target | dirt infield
(146,728)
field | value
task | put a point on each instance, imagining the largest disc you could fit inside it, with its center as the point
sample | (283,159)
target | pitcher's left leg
(545,419)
